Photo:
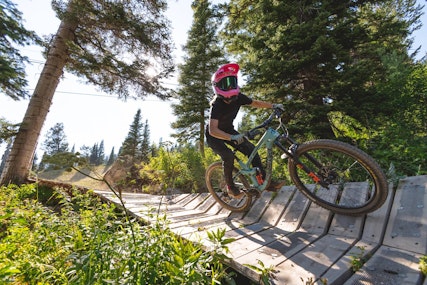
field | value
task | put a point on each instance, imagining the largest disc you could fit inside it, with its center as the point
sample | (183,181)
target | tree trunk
(202,134)
(20,159)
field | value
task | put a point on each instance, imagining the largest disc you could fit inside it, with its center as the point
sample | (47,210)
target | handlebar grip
(253,133)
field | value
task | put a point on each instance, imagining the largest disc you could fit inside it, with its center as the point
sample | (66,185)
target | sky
(90,116)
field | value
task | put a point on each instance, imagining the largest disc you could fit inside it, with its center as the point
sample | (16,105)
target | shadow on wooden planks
(302,241)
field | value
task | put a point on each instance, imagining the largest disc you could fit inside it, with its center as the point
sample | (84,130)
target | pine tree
(56,140)
(54,146)
(145,143)
(85,152)
(111,157)
(97,154)
(7,130)
(93,158)
(12,71)
(101,154)
(115,45)
(131,145)
(203,56)
(317,57)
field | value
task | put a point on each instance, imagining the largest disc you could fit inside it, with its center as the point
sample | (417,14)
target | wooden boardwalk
(303,241)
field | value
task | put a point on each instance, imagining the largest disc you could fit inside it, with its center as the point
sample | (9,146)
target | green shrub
(88,242)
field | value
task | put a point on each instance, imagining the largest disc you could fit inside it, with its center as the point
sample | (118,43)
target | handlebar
(277,113)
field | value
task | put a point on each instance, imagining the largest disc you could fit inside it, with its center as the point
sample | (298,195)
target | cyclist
(220,131)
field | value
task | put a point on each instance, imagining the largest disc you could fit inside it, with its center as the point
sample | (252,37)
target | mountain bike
(335,175)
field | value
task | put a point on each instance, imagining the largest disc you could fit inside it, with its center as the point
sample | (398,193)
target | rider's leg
(247,148)
(227,156)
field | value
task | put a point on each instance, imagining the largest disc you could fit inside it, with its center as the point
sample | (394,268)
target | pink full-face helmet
(224,82)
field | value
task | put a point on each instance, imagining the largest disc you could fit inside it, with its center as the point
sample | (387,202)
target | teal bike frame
(246,169)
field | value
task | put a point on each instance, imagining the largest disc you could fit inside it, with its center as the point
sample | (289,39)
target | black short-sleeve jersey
(226,113)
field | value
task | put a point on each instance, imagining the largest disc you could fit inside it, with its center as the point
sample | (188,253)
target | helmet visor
(227,83)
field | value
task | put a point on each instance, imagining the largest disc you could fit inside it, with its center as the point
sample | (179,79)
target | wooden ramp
(302,241)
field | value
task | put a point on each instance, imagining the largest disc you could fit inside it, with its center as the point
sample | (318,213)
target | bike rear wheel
(217,186)
(357,184)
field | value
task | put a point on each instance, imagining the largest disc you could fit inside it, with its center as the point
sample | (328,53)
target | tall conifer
(317,57)
(131,144)
(203,56)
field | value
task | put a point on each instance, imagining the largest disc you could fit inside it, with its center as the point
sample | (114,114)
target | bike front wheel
(353,183)
(217,186)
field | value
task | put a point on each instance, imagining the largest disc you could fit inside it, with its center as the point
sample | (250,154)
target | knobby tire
(215,182)
(357,183)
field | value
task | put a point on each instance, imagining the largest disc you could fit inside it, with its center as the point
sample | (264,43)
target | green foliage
(90,243)
(203,56)
(136,143)
(186,258)
(184,169)
(347,76)
(56,140)
(131,145)
(13,33)
(312,281)
(7,130)
(357,259)
(118,45)
(265,272)
(423,264)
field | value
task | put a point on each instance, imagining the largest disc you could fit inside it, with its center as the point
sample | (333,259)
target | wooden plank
(204,205)
(260,211)
(208,203)
(254,214)
(188,199)
(227,224)
(143,199)
(261,235)
(313,261)
(407,228)
(258,208)
(373,233)
(196,201)
(198,231)
(294,213)
(279,203)
(189,202)
(317,218)
(348,226)
(257,246)
(389,266)
(173,205)
(314,224)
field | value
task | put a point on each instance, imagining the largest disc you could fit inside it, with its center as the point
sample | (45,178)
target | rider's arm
(261,104)
(216,132)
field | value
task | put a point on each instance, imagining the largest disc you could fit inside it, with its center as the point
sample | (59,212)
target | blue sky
(74,103)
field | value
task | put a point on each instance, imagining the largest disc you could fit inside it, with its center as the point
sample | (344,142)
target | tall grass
(56,238)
